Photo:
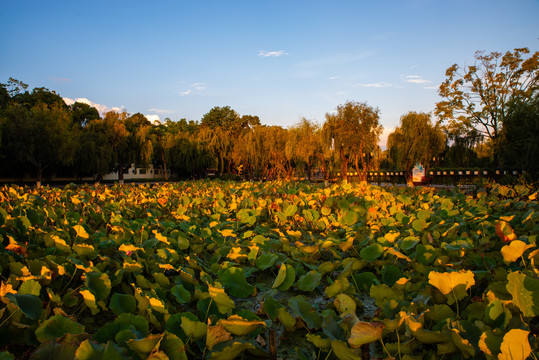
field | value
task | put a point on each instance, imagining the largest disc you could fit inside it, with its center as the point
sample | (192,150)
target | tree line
(488,117)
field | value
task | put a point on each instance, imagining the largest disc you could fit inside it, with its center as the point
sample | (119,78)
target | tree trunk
(344,165)
(121,174)
(39,174)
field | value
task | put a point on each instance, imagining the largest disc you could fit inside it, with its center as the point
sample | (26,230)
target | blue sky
(280,60)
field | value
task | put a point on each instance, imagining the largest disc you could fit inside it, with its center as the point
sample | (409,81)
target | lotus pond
(277,270)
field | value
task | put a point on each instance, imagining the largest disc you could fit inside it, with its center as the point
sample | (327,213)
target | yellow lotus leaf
(456,282)
(514,250)
(239,326)
(215,335)
(4,290)
(365,332)
(281,276)
(347,245)
(192,328)
(398,254)
(392,236)
(319,342)
(227,232)
(231,352)
(345,305)
(343,351)
(288,321)
(160,237)
(89,300)
(222,300)
(213,224)
(81,232)
(158,305)
(296,233)
(504,231)
(235,253)
(129,248)
(515,345)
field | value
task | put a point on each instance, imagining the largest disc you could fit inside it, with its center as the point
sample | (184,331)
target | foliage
(479,95)
(220,269)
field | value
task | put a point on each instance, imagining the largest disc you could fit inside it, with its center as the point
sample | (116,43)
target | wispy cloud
(430,87)
(161,111)
(335,77)
(199,86)
(186,92)
(278,53)
(102,109)
(416,79)
(374,85)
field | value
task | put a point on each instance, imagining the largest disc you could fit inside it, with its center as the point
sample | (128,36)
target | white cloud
(335,77)
(430,87)
(161,111)
(199,86)
(102,109)
(186,92)
(416,79)
(278,53)
(153,118)
(374,85)
(383,137)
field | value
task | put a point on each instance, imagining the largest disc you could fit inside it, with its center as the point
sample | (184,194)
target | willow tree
(479,95)
(303,144)
(355,130)
(416,139)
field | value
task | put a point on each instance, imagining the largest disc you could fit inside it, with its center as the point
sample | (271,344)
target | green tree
(520,136)
(40,135)
(223,117)
(355,130)
(95,153)
(118,139)
(303,144)
(479,95)
(83,113)
(415,140)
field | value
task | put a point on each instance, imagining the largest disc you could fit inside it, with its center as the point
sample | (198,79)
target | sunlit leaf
(345,305)
(515,345)
(365,332)
(81,232)
(193,328)
(239,326)
(525,292)
(343,352)
(514,250)
(231,352)
(222,300)
(215,335)
(455,283)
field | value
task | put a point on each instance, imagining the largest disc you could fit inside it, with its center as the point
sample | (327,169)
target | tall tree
(478,95)
(520,136)
(118,138)
(355,130)
(303,144)
(40,135)
(416,139)
(83,113)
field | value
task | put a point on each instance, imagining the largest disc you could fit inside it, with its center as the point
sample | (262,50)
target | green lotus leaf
(271,307)
(349,218)
(409,243)
(309,281)
(371,252)
(440,312)
(57,326)
(4,355)
(365,279)
(84,250)
(173,347)
(143,347)
(193,328)
(419,225)
(122,303)
(137,323)
(490,343)
(525,292)
(98,284)
(220,298)
(290,210)
(383,293)
(30,305)
(235,282)
(31,287)
(390,274)
(300,307)
(181,294)
(266,260)
(289,279)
